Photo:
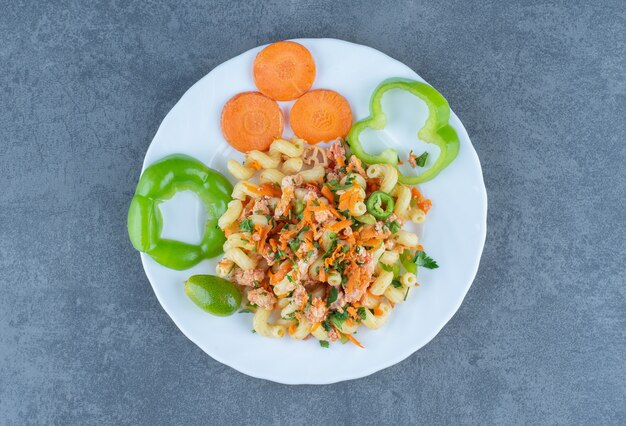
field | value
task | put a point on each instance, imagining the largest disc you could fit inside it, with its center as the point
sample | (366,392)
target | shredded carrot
(355,163)
(326,192)
(322,275)
(378,312)
(425,205)
(267,188)
(393,305)
(340,161)
(254,165)
(324,207)
(353,340)
(229,231)
(420,247)
(292,328)
(346,199)
(352,311)
(315,326)
(282,271)
(336,227)
(262,232)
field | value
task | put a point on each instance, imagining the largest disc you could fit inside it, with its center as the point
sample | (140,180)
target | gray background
(541,89)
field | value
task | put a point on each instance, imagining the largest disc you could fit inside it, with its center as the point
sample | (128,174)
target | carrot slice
(284,71)
(321,116)
(250,121)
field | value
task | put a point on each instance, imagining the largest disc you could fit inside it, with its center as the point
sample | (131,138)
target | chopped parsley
(394,227)
(246,311)
(407,292)
(422,259)
(421,160)
(361,313)
(294,245)
(396,284)
(326,325)
(338,318)
(324,343)
(280,254)
(387,268)
(246,225)
(334,293)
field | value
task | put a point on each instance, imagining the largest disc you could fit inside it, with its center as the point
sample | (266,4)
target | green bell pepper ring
(160,182)
(380,204)
(436,130)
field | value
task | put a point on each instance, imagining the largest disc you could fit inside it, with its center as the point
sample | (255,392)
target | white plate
(454,233)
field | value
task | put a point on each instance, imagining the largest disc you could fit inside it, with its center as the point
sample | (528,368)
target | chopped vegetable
(284,71)
(421,259)
(408,262)
(246,225)
(159,182)
(334,293)
(251,120)
(324,343)
(421,160)
(437,130)
(380,205)
(321,116)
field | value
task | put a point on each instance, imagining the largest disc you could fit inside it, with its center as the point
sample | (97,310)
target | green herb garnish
(334,293)
(421,160)
(246,225)
(422,259)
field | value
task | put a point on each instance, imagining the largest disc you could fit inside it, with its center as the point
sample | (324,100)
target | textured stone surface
(541,337)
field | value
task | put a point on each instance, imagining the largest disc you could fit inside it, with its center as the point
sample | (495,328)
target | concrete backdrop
(541,89)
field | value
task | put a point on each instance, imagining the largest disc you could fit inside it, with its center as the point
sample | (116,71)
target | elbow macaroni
(387,173)
(299,279)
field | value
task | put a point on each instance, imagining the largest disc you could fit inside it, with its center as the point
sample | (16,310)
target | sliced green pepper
(380,204)
(436,130)
(407,260)
(160,182)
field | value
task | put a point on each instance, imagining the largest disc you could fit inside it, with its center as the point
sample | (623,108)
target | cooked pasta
(231,214)
(271,176)
(292,149)
(301,241)
(387,173)
(238,170)
(262,160)
(292,165)
(261,325)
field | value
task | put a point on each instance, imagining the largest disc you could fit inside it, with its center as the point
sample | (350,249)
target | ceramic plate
(454,233)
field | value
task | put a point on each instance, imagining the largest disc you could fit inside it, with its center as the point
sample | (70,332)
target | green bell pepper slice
(406,258)
(436,130)
(160,182)
(380,205)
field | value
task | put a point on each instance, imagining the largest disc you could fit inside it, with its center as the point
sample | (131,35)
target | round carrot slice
(321,116)
(250,121)
(284,70)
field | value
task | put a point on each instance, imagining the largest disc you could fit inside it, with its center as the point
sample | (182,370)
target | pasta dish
(314,240)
